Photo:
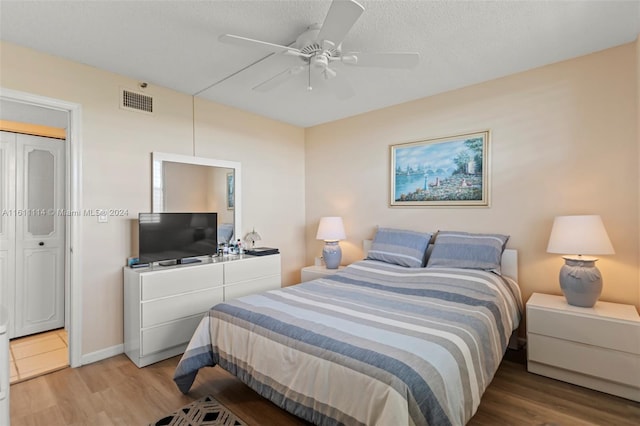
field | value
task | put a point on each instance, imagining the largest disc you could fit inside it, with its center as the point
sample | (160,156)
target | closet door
(7,223)
(39,293)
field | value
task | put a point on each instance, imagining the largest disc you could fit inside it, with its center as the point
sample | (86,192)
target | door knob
(41,243)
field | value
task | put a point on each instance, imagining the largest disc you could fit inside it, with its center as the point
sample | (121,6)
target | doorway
(32,191)
(72,245)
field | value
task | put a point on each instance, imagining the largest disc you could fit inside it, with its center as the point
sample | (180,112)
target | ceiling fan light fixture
(320,61)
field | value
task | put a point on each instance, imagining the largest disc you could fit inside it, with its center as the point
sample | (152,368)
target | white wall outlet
(103,218)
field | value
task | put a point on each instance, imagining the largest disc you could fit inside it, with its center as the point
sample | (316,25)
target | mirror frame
(157,182)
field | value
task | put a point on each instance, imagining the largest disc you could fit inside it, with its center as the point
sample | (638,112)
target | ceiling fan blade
(382,60)
(249,42)
(278,79)
(342,15)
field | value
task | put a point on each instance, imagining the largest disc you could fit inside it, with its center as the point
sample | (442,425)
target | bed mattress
(375,344)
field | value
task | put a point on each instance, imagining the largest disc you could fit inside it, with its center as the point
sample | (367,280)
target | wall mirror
(182,183)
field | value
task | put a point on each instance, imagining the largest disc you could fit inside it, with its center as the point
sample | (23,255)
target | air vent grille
(136,101)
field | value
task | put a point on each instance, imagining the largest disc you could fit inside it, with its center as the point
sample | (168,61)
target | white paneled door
(35,290)
(7,222)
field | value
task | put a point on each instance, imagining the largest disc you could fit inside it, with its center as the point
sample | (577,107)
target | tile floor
(38,354)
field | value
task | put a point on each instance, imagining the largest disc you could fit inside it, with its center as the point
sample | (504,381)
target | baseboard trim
(105,353)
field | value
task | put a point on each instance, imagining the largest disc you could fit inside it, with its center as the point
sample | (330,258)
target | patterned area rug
(203,412)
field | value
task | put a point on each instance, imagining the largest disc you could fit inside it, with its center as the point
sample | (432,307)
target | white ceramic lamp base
(332,254)
(580,281)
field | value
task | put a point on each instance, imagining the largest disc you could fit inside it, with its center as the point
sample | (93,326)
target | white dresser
(163,305)
(598,348)
(4,367)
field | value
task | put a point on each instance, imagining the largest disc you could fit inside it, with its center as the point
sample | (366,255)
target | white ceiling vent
(136,101)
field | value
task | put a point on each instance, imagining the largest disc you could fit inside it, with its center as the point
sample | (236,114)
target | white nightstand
(598,348)
(309,273)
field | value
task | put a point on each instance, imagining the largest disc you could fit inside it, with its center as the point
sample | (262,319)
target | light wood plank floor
(115,392)
(38,354)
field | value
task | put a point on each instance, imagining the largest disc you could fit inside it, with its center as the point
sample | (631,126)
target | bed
(378,343)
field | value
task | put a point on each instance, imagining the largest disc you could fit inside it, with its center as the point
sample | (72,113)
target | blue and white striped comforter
(375,344)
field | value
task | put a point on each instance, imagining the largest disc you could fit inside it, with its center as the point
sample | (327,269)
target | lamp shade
(251,238)
(579,235)
(331,229)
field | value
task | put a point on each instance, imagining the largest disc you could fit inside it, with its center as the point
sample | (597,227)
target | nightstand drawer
(609,333)
(596,347)
(594,361)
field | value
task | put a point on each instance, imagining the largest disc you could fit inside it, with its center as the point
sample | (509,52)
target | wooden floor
(115,392)
(38,354)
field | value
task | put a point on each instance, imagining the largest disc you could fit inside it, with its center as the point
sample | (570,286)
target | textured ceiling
(175,44)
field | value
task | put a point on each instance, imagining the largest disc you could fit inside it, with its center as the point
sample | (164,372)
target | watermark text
(63,212)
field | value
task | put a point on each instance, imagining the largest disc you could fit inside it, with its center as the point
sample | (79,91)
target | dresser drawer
(608,333)
(156,339)
(168,309)
(182,280)
(234,291)
(615,366)
(255,267)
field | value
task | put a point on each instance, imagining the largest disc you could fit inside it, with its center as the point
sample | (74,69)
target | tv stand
(164,305)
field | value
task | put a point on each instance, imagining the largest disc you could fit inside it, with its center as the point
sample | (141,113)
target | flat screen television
(177,236)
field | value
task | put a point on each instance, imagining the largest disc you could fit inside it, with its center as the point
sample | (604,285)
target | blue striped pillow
(400,247)
(469,251)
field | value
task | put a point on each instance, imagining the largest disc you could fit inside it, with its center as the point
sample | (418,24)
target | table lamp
(580,279)
(331,230)
(251,238)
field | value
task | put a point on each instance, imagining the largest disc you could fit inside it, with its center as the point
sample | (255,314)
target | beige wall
(116,156)
(638,133)
(186,187)
(272,157)
(563,141)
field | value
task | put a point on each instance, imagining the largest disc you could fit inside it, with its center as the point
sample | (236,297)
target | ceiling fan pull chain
(309,88)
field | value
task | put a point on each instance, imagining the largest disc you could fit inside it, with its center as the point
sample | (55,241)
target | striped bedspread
(375,344)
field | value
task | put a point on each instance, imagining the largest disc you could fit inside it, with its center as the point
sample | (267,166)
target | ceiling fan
(320,47)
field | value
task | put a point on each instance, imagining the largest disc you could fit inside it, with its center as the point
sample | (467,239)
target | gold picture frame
(448,171)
